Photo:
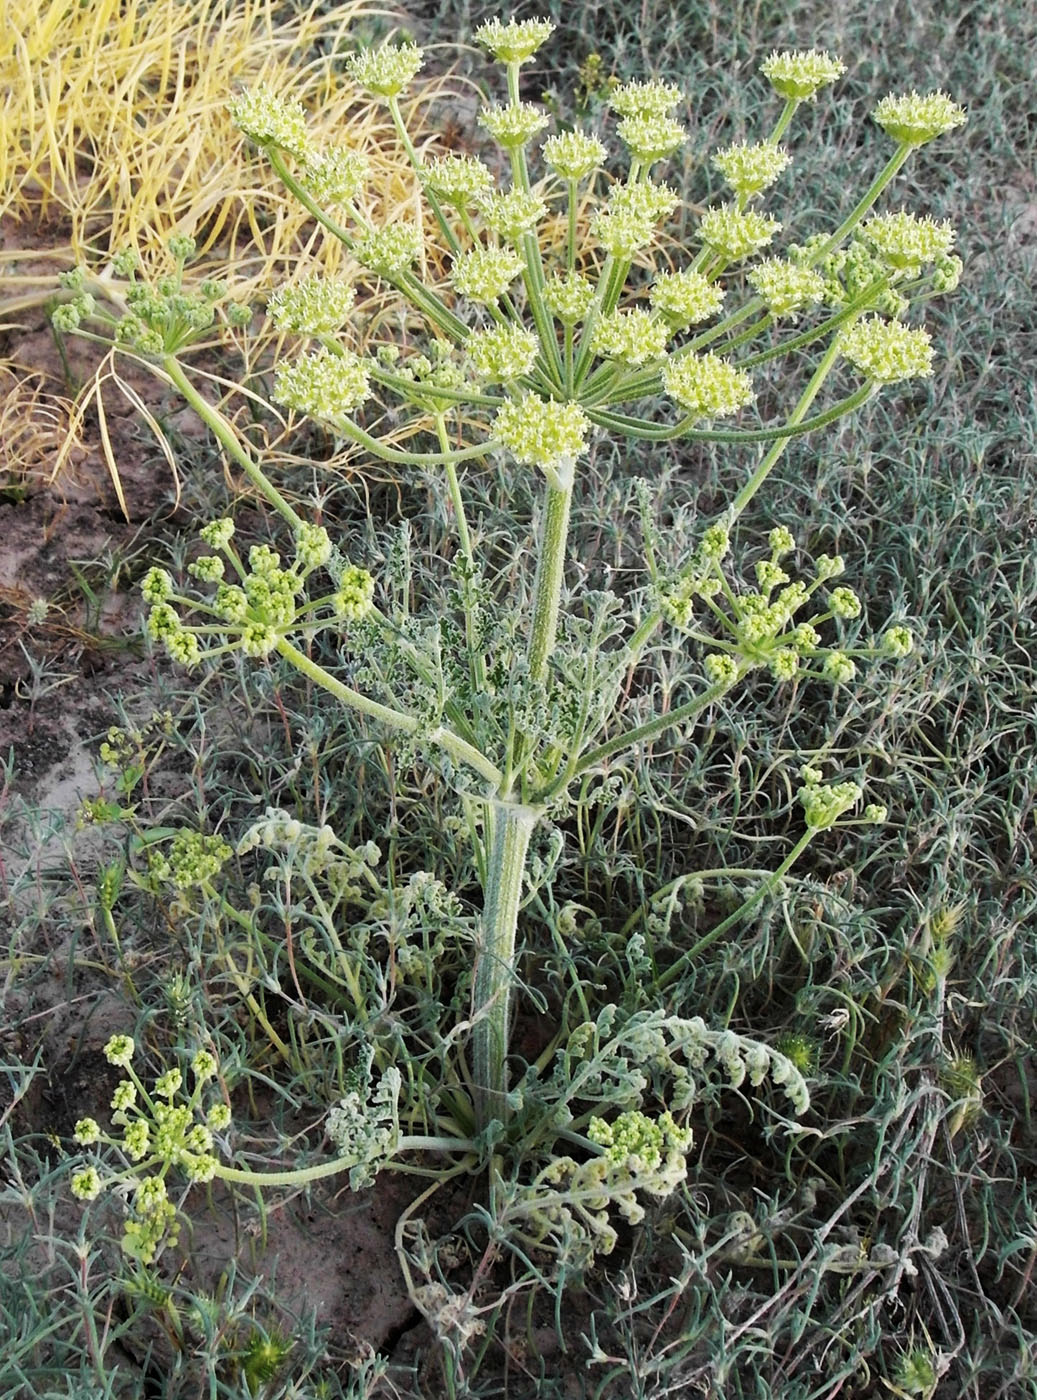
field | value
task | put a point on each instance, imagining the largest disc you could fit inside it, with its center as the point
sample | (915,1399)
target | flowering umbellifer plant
(562,317)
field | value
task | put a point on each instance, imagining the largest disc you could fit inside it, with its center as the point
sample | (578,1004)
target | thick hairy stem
(510,828)
(548,586)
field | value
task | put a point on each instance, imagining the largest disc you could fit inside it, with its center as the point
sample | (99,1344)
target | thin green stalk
(635,428)
(781,125)
(356,434)
(797,416)
(511,826)
(758,896)
(644,732)
(476,660)
(418,166)
(302,1176)
(871,194)
(454,745)
(419,295)
(226,436)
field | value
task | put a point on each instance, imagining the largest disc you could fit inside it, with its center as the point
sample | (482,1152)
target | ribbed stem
(510,828)
(547,588)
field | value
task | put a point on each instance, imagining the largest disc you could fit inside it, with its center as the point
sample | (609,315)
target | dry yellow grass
(114,134)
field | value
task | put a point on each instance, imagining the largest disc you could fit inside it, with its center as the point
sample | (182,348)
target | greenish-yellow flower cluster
(502,353)
(158,1135)
(685,298)
(514,125)
(649,99)
(389,251)
(707,386)
(326,384)
(786,287)
(735,233)
(907,242)
(913,118)
(271,120)
(632,337)
(651,137)
(514,41)
(511,213)
(799,75)
(458,180)
(568,297)
(385,71)
(749,169)
(573,155)
(483,275)
(542,432)
(335,176)
(315,305)
(887,351)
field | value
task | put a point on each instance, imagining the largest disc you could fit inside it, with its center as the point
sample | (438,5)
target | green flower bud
(217,533)
(801,74)
(838,668)
(897,641)
(485,274)
(516,41)
(513,126)
(632,337)
(502,353)
(844,603)
(119,1050)
(780,541)
(125,1096)
(218,1117)
(573,155)
(644,99)
(136,1140)
(209,568)
(156,586)
(823,806)
(784,663)
(87,1132)
(720,668)
(386,71)
(913,119)
(735,233)
(182,247)
(86,1185)
(707,386)
(257,639)
(355,594)
(748,169)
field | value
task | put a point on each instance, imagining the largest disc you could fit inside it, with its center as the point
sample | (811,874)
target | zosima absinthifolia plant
(562,317)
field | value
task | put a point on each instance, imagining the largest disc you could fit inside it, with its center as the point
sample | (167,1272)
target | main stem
(510,828)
